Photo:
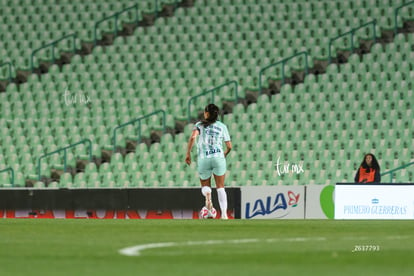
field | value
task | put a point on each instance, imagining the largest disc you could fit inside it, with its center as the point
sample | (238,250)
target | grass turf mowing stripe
(91,247)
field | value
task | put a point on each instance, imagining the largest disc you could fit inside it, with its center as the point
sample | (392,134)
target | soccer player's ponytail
(213,112)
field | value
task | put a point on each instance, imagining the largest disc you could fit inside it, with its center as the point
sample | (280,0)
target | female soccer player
(211,157)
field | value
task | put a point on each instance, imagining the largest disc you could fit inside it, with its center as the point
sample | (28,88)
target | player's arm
(229,146)
(227,141)
(190,145)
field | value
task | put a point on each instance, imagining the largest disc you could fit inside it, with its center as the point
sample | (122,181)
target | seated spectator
(369,170)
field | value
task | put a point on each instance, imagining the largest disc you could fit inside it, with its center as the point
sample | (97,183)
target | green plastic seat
(65,180)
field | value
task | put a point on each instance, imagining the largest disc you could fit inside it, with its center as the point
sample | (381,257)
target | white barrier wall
(319,202)
(288,202)
(381,201)
(273,202)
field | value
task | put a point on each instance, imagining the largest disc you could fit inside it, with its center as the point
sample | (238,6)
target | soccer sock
(205,190)
(222,198)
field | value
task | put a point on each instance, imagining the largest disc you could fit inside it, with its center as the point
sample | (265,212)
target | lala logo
(293,199)
(272,205)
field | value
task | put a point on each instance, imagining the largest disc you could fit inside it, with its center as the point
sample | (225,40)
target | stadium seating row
(28,25)
(314,123)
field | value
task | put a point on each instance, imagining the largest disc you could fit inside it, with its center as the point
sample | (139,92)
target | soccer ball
(205,214)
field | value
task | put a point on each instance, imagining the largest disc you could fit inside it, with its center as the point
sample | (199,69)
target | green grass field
(206,247)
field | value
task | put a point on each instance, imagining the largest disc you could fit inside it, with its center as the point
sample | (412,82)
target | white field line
(137,249)
(396,237)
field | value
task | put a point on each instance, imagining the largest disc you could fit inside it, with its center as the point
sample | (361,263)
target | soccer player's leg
(219,173)
(205,172)
(206,191)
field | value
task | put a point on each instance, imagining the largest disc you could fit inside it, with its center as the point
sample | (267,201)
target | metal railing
(283,62)
(9,69)
(391,172)
(396,15)
(139,125)
(352,33)
(53,45)
(11,175)
(116,17)
(212,91)
(117,14)
(65,157)
(157,5)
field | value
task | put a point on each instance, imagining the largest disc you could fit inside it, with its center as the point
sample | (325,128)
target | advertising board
(319,201)
(273,202)
(380,201)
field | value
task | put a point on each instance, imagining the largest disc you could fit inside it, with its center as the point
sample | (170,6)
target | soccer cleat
(224,216)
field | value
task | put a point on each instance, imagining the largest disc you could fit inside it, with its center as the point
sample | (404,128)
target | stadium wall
(352,201)
(248,202)
(108,203)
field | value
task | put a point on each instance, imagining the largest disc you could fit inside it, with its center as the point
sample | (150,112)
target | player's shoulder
(221,124)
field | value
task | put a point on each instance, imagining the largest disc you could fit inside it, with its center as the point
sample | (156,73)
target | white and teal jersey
(210,140)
